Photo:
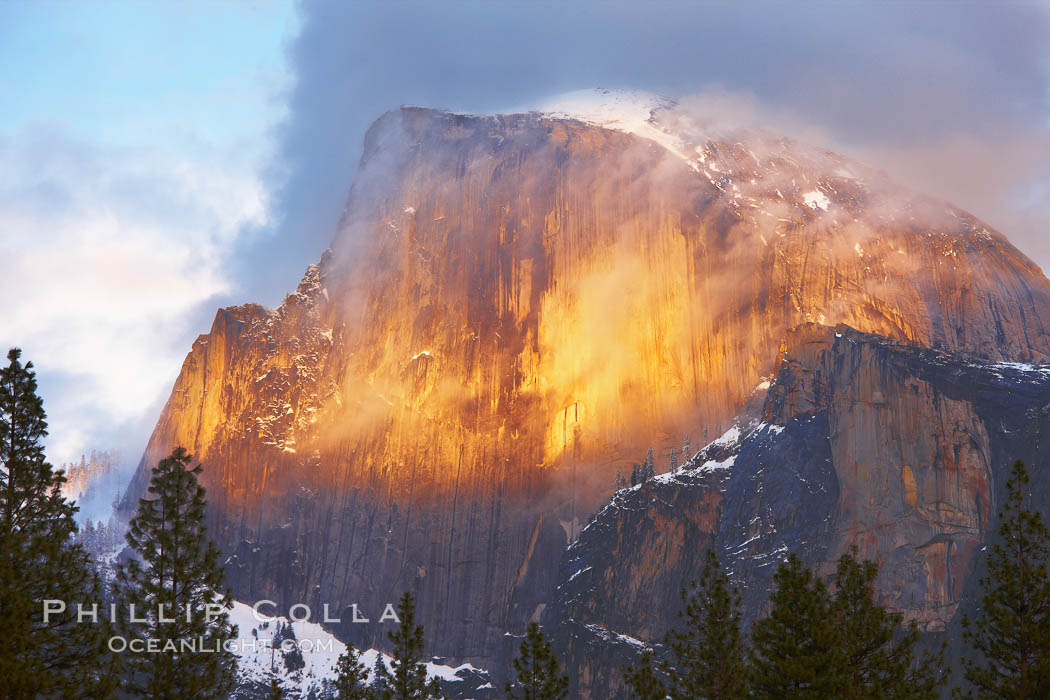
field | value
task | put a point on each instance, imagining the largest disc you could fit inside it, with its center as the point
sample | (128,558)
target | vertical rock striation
(516,306)
(898,450)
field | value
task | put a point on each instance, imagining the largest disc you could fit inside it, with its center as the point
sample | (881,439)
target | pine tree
(687,450)
(878,653)
(708,655)
(795,649)
(409,680)
(672,462)
(643,679)
(381,689)
(536,670)
(291,653)
(179,577)
(1011,632)
(649,467)
(846,645)
(351,675)
(275,691)
(52,655)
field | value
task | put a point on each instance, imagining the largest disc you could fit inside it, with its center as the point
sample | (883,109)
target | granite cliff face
(899,450)
(516,306)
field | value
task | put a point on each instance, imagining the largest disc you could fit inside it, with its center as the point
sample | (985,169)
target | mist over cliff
(514,308)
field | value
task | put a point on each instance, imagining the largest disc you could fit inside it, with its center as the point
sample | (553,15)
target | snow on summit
(758,171)
(630,111)
(624,110)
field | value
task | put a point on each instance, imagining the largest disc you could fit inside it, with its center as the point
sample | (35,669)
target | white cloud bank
(106,255)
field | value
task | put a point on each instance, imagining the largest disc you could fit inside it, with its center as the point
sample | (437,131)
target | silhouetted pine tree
(293,656)
(848,645)
(40,562)
(643,679)
(350,677)
(708,654)
(380,688)
(179,572)
(795,650)
(536,670)
(878,653)
(1012,629)
(649,466)
(672,462)
(409,681)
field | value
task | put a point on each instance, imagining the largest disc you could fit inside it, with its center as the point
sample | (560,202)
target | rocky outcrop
(516,306)
(896,449)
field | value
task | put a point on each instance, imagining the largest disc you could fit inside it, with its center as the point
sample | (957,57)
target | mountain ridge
(516,307)
(798,482)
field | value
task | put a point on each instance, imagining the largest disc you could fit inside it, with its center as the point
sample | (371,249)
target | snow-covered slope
(261,658)
(631,111)
(765,176)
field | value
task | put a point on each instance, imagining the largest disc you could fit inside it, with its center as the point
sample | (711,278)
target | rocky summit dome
(514,308)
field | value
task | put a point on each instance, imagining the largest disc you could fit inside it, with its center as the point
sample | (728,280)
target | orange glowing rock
(513,308)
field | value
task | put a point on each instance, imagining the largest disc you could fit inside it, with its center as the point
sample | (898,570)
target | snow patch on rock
(259,659)
(629,111)
(816,199)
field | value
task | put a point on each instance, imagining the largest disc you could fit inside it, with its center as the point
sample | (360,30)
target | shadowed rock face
(896,449)
(515,307)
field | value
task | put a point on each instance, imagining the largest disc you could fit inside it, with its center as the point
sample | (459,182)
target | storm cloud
(142,186)
(949,98)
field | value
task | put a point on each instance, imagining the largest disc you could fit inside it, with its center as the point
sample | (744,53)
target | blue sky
(117,72)
(161,159)
(135,139)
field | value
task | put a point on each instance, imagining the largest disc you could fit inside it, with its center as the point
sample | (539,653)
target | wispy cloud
(107,253)
(138,188)
(132,154)
(952,98)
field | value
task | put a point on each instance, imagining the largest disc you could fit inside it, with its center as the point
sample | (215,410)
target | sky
(134,138)
(159,160)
